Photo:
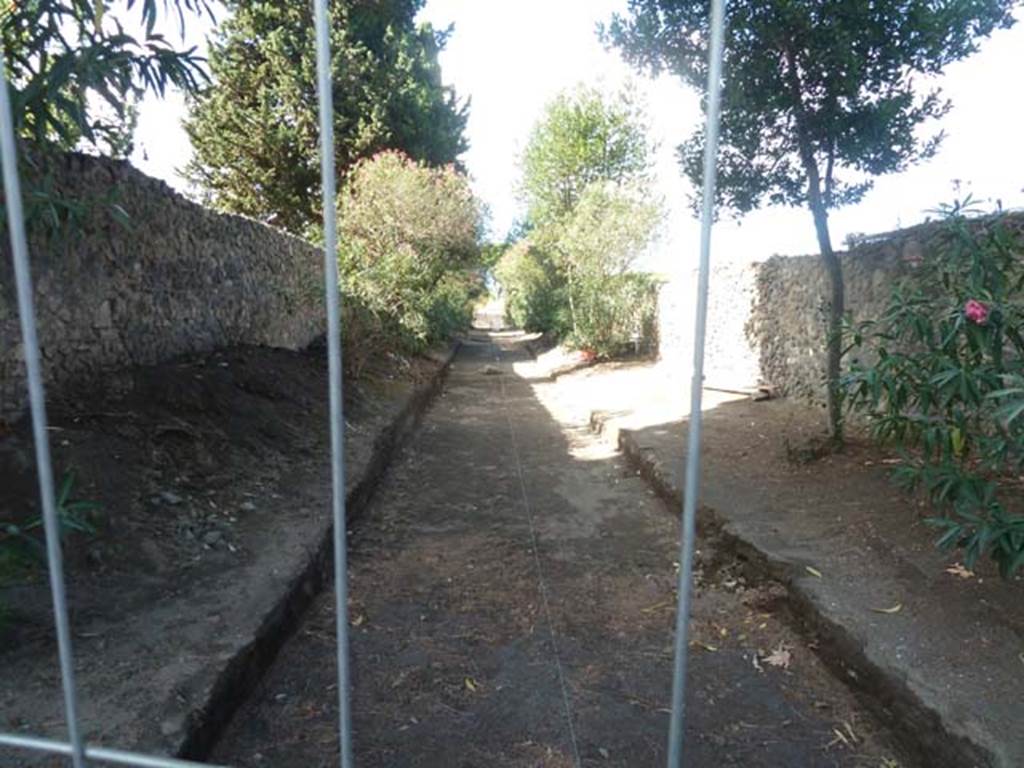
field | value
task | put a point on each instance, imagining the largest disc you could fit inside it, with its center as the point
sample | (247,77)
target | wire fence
(75,748)
(677,722)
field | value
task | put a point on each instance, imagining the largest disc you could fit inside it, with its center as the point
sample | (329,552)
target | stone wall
(767,320)
(730,360)
(177,278)
(788,320)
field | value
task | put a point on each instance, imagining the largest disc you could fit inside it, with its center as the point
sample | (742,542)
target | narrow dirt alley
(512,605)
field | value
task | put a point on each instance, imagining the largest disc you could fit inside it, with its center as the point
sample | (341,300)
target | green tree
(491,253)
(534,291)
(607,229)
(594,246)
(818,97)
(582,138)
(75,74)
(255,129)
(589,210)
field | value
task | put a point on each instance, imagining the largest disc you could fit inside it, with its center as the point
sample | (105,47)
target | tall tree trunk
(837,302)
(572,302)
(819,209)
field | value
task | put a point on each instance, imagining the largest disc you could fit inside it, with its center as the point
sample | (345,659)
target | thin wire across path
(542,583)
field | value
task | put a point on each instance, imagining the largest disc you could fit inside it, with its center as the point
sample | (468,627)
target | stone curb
(244,668)
(922,729)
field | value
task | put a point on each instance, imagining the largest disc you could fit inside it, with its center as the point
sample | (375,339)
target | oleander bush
(409,245)
(941,374)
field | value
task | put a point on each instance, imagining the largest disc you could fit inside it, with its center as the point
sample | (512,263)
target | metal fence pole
(324,93)
(677,724)
(102,754)
(37,403)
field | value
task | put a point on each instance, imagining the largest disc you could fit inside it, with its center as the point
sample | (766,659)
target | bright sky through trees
(512,56)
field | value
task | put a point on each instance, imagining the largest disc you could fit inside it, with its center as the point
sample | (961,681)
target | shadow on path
(844,517)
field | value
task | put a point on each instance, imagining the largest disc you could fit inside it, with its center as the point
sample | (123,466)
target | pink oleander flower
(976,311)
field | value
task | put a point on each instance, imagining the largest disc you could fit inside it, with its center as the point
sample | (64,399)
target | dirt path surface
(936,648)
(512,598)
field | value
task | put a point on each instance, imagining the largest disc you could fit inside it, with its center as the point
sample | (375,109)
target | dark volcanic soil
(212,478)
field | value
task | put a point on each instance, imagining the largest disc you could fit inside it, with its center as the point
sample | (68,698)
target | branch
(804,144)
(829,167)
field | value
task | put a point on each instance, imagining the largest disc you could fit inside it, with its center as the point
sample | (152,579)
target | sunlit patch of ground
(622,396)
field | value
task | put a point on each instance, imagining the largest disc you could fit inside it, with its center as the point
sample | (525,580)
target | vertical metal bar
(324,86)
(677,724)
(37,404)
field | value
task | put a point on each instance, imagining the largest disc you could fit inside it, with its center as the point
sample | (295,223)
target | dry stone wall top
(767,320)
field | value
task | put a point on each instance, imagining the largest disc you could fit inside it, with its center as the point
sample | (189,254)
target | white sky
(512,56)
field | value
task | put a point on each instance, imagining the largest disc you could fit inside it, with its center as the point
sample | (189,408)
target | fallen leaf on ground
(814,572)
(849,730)
(399,680)
(890,610)
(705,646)
(658,606)
(847,738)
(957,569)
(780,657)
(840,738)
(471,685)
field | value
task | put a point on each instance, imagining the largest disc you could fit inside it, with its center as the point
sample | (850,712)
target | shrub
(572,277)
(590,212)
(363,334)
(408,236)
(452,301)
(535,297)
(616,314)
(944,383)
(595,247)
(22,543)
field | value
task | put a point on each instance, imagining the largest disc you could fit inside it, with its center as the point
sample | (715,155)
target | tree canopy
(818,97)
(608,229)
(75,78)
(590,213)
(582,138)
(255,129)
(75,72)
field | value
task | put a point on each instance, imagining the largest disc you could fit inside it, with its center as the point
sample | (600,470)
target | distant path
(512,604)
